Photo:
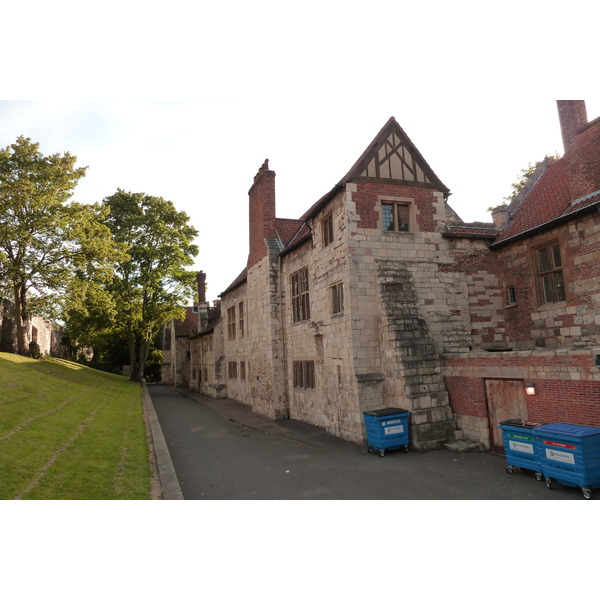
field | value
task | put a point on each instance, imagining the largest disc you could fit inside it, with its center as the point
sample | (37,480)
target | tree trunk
(132,353)
(19,303)
(144,351)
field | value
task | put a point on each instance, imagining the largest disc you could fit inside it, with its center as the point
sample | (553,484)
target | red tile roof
(572,177)
(287,229)
(189,324)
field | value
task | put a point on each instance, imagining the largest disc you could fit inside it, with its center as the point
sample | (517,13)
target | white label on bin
(393,422)
(520,446)
(392,430)
(559,455)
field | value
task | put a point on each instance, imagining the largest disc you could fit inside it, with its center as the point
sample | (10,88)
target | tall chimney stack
(202,303)
(262,213)
(573,117)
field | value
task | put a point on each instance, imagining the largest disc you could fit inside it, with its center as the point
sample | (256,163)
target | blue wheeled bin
(520,446)
(570,455)
(387,429)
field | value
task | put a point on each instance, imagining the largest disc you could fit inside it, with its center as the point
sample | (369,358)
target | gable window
(396,216)
(551,285)
(327,224)
(337,298)
(304,374)
(231,323)
(300,297)
(241,317)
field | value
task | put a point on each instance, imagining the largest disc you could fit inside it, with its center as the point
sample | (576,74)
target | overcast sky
(191,97)
(188,99)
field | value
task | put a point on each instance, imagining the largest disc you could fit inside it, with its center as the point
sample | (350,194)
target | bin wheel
(405,448)
(509,470)
(382,453)
(549,483)
(587,493)
(539,476)
(370,449)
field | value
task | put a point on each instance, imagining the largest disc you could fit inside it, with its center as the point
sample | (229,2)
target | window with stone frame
(300,295)
(232,370)
(304,374)
(395,216)
(549,274)
(241,319)
(231,323)
(337,298)
(242,369)
(327,225)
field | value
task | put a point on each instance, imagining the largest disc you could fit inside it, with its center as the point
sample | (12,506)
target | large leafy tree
(152,285)
(44,237)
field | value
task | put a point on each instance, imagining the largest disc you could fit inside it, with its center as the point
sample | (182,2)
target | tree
(523,178)
(44,238)
(152,285)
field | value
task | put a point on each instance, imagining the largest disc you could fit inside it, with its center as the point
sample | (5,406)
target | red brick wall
(262,213)
(368,192)
(575,402)
(567,385)
(467,396)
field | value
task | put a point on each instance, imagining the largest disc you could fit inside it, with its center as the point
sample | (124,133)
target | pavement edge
(166,472)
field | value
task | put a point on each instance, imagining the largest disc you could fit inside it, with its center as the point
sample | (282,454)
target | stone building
(380,296)
(45,334)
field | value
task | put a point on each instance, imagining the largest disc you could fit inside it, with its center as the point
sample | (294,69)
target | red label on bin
(559,445)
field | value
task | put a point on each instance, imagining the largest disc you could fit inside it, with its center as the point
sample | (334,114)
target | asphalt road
(222,451)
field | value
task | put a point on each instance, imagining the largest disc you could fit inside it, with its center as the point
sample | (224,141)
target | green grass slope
(70,432)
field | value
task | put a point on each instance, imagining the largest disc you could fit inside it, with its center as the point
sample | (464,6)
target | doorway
(505,400)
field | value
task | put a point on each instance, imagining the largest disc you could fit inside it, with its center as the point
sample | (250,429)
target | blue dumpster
(387,429)
(570,455)
(520,446)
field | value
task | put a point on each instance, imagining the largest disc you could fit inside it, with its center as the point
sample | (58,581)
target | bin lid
(567,429)
(519,423)
(385,412)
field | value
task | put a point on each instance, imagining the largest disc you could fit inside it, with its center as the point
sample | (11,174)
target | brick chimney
(202,303)
(262,213)
(573,117)
(500,217)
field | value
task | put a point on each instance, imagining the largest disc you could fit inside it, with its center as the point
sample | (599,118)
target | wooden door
(505,400)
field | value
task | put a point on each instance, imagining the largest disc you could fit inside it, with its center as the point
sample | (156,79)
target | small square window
(337,298)
(396,216)
(512,295)
(304,374)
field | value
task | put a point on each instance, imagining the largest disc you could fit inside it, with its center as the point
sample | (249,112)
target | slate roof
(472,230)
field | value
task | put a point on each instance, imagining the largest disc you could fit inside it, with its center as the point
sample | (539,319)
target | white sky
(191,97)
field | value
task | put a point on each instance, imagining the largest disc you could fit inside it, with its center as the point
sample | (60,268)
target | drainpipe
(283,339)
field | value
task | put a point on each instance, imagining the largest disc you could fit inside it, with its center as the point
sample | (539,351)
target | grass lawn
(70,432)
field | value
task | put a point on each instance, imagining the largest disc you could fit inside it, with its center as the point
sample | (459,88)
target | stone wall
(47,335)
(327,337)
